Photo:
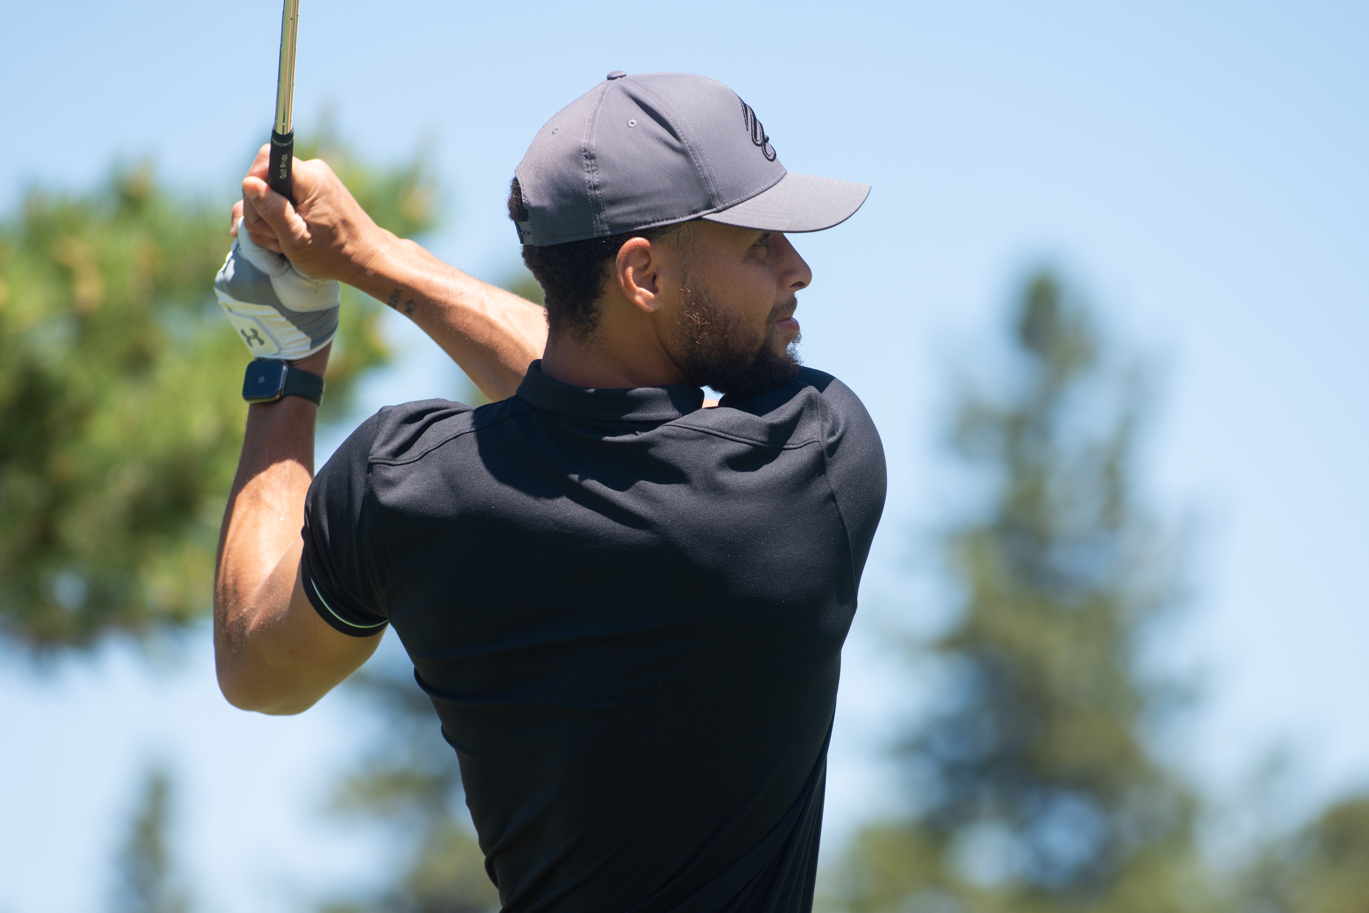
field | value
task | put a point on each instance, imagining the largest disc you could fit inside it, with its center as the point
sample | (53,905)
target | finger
(265,240)
(259,229)
(276,211)
(234,217)
(259,163)
(251,218)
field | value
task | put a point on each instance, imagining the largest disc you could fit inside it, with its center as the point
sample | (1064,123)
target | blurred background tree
(1321,867)
(1029,785)
(148,881)
(119,381)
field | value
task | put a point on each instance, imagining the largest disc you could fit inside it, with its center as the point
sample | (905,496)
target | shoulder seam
(742,439)
(446,440)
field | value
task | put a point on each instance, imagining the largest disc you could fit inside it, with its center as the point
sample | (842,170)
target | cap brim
(797,202)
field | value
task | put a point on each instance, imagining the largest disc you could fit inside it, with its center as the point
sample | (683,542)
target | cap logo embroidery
(757,131)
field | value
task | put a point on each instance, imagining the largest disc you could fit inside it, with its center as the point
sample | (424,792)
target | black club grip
(282,158)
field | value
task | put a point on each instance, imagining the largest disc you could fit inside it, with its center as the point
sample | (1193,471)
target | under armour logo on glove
(278,311)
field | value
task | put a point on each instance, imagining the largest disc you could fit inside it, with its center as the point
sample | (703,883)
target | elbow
(290,709)
(236,691)
(258,702)
(247,691)
(247,679)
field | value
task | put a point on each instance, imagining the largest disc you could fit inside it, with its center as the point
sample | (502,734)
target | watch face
(264,380)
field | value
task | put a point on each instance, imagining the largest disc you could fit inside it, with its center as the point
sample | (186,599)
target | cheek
(744,297)
(756,297)
(754,312)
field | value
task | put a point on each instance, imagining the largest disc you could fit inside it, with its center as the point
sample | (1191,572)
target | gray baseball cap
(636,152)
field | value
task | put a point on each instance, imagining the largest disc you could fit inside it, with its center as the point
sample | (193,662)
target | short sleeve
(339,565)
(855,468)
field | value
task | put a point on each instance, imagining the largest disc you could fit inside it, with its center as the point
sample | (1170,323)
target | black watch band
(267,380)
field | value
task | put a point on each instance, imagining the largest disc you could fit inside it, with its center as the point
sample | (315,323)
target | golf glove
(278,311)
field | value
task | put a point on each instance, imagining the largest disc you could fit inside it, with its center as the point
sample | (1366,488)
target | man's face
(735,330)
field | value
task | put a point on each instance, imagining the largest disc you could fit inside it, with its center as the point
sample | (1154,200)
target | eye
(763,242)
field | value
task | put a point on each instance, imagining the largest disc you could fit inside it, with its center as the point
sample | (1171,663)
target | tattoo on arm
(396,301)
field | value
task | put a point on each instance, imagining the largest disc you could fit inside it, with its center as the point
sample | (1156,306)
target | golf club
(283,132)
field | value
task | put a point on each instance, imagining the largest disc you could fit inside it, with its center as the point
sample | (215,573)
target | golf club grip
(282,159)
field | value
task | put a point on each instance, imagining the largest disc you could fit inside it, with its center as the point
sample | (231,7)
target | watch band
(302,383)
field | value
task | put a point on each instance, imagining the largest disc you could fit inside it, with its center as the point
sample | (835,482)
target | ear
(637,272)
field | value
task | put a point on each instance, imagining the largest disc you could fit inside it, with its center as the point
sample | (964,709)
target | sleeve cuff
(328,614)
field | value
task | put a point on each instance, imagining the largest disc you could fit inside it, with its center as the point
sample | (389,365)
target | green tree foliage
(147,880)
(119,383)
(1030,784)
(1322,867)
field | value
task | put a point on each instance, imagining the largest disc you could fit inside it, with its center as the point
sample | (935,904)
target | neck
(601,361)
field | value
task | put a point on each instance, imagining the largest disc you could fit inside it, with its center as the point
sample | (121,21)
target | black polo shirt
(628,612)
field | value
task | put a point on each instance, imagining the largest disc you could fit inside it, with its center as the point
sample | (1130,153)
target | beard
(720,352)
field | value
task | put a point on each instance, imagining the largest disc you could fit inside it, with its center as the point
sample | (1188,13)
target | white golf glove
(278,311)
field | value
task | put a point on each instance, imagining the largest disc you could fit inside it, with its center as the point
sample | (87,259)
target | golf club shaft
(283,132)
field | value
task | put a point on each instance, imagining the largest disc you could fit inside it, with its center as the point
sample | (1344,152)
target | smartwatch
(270,379)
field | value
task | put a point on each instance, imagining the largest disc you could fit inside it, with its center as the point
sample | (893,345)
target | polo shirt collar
(628,404)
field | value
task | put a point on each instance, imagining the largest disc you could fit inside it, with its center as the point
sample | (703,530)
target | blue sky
(1196,173)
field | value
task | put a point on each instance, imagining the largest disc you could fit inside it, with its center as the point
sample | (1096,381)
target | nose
(796,271)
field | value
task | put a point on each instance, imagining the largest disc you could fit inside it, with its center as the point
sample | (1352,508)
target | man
(627,608)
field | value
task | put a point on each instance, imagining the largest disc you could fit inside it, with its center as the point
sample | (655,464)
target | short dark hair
(572,275)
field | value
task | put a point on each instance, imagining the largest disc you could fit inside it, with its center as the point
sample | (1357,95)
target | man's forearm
(259,544)
(491,333)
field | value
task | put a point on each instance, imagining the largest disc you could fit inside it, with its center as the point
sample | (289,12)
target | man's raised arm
(491,333)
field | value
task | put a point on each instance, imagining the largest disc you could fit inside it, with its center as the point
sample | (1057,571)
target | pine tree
(1031,784)
(1321,867)
(146,872)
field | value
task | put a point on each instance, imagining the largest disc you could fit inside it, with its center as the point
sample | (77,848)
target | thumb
(277,212)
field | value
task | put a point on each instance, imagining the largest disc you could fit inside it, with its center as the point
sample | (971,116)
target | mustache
(784,309)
